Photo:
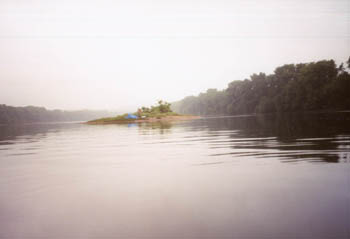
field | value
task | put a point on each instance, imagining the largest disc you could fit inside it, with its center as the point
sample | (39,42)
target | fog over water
(122,54)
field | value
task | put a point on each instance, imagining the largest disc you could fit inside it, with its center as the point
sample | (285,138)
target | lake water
(227,177)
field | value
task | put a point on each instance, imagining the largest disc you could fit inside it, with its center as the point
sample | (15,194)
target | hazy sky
(114,54)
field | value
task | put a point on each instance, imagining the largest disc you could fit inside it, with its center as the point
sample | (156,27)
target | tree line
(30,114)
(300,87)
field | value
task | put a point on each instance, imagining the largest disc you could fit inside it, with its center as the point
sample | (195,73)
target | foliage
(294,87)
(162,107)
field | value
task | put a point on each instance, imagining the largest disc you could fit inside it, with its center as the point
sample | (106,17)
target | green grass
(111,119)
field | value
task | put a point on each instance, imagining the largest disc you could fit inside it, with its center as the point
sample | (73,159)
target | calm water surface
(229,177)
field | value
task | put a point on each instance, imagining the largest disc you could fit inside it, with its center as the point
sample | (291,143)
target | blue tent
(131,116)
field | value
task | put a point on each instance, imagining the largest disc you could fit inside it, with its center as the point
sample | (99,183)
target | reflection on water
(291,138)
(270,176)
(155,127)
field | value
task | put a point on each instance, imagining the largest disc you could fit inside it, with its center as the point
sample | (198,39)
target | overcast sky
(78,54)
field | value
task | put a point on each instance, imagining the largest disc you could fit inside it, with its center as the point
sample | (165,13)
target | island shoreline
(146,120)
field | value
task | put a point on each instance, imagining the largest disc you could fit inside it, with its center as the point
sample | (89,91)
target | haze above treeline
(313,86)
(118,55)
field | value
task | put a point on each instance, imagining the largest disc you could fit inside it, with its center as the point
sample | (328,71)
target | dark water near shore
(271,176)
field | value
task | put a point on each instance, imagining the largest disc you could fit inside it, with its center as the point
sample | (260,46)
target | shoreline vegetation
(303,87)
(160,113)
(321,86)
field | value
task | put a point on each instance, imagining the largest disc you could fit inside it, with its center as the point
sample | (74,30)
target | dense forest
(301,87)
(30,114)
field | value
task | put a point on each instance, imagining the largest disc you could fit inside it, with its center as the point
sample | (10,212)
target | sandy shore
(162,119)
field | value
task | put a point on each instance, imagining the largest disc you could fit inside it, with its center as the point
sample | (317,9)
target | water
(228,177)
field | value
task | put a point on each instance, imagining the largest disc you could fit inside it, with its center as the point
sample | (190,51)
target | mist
(119,55)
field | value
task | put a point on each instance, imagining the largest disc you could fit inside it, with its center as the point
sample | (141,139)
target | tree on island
(163,107)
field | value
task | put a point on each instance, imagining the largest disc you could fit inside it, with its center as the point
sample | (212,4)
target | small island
(161,112)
